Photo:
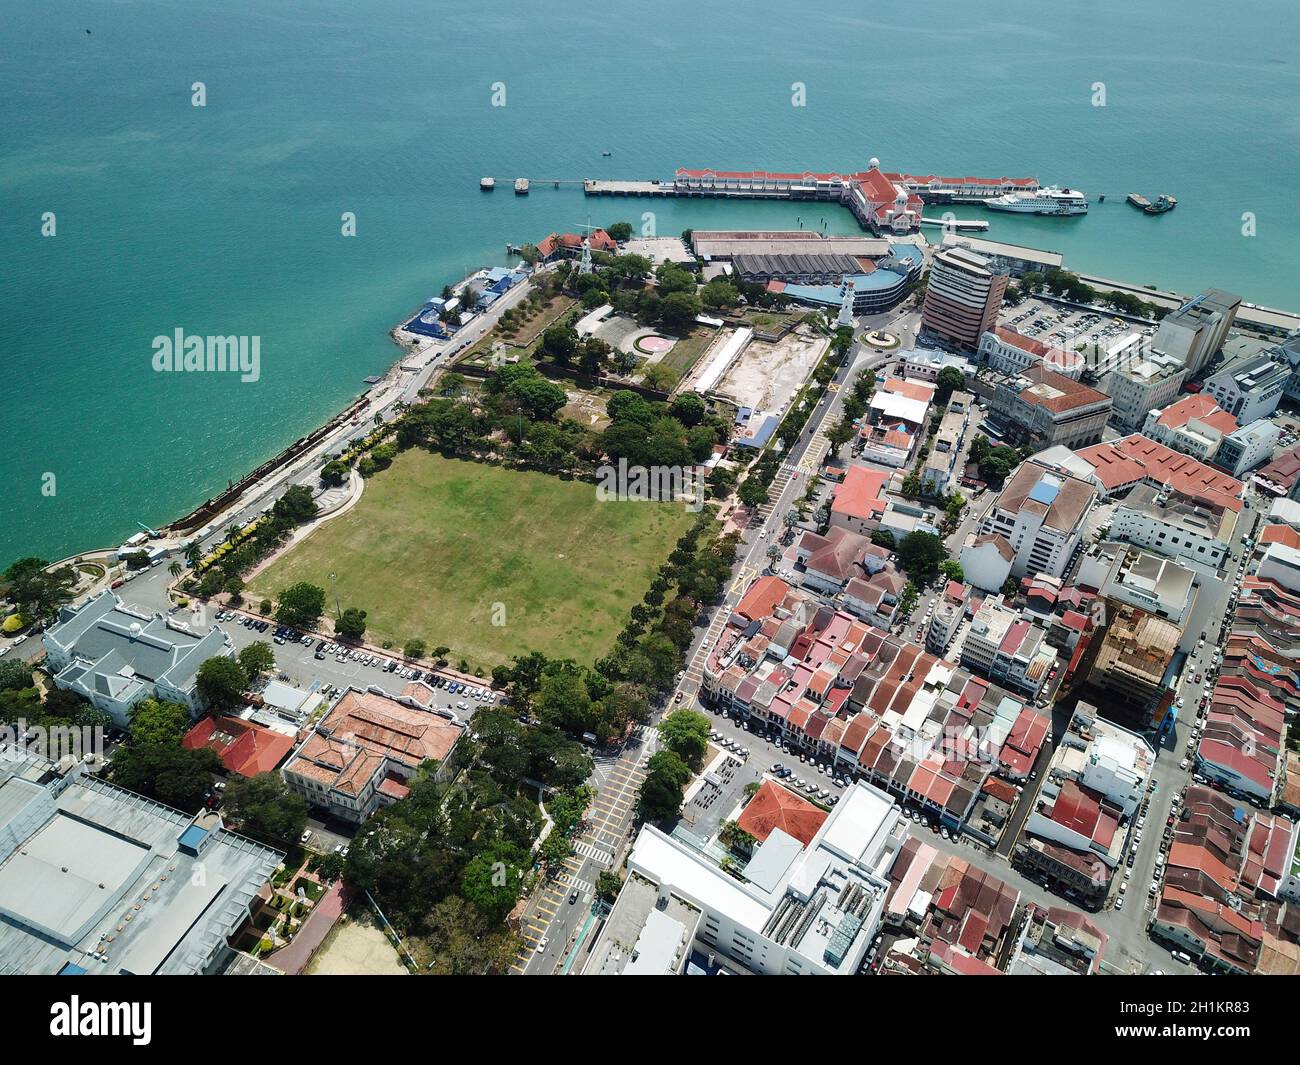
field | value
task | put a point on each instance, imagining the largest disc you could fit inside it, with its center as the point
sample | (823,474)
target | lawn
(441,549)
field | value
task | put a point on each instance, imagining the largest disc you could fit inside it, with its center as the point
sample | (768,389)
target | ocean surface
(225,219)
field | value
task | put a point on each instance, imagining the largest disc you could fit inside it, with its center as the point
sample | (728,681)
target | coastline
(430,351)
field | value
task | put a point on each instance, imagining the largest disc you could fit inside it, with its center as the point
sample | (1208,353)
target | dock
(629,188)
(961,225)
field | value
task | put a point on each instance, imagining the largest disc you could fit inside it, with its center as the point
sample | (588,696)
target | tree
(35,593)
(15,674)
(167,772)
(560,342)
(920,554)
(351,625)
(659,377)
(492,879)
(414,648)
(538,397)
(753,492)
(257,658)
(686,734)
(689,409)
(620,231)
(950,380)
(175,569)
(678,310)
(555,849)
(661,790)
(841,433)
(608,885)
(265,808)
(564,701)
(334,472)
(158,722)
(220,682)
(296,505)
(300,605)
(719,294)
(736,838)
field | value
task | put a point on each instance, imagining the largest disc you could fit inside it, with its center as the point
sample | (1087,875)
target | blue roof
(762,434)
(1045,492)
(71,969)
(193,836)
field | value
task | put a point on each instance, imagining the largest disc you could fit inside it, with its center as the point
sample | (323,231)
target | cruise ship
(1050,200)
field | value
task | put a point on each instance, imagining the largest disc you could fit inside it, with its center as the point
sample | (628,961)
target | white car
(542,944)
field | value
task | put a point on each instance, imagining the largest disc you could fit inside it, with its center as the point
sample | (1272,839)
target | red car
(1198,678)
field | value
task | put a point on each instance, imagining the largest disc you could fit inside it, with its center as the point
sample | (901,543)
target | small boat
(487,184)
(1139,201)
(521,186)
(606,154)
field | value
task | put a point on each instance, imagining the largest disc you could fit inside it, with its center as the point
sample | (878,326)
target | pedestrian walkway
(608,818)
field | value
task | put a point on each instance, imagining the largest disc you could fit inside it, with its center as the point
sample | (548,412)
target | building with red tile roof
(1195,425)
(244,747)
(570,244)
(1007,351)
(950,906)
(1243,746)
(1227,938)
(1044,407)
(1136,459)
(760,599)
(775,807)
(858,502)
(366,738)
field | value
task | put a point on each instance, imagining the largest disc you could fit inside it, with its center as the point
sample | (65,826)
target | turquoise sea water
(226,219)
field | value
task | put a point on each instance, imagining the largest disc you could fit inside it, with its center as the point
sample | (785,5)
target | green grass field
(434,543)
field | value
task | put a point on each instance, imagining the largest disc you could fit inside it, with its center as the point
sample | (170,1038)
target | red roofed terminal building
(876,201)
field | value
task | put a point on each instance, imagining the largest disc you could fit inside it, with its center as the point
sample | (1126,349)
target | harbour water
(227,219)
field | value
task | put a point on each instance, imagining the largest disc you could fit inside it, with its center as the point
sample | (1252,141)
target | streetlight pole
(334,585)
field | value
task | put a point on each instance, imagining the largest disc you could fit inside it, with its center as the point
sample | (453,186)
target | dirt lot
(354,949)
(766,376)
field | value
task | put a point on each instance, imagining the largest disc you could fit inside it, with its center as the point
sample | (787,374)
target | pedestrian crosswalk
(595,853)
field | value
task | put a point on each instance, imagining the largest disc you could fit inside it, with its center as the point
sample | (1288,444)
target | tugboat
(487,184)
(1163,203)
(521,186)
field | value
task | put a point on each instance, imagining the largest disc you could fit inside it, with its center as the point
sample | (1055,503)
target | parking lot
(1068,327)
(324,665)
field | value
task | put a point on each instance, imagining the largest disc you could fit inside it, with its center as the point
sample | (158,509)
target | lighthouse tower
(584,266)
(846,304)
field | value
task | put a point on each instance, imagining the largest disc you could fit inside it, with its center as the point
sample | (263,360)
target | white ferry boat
(1050,200)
